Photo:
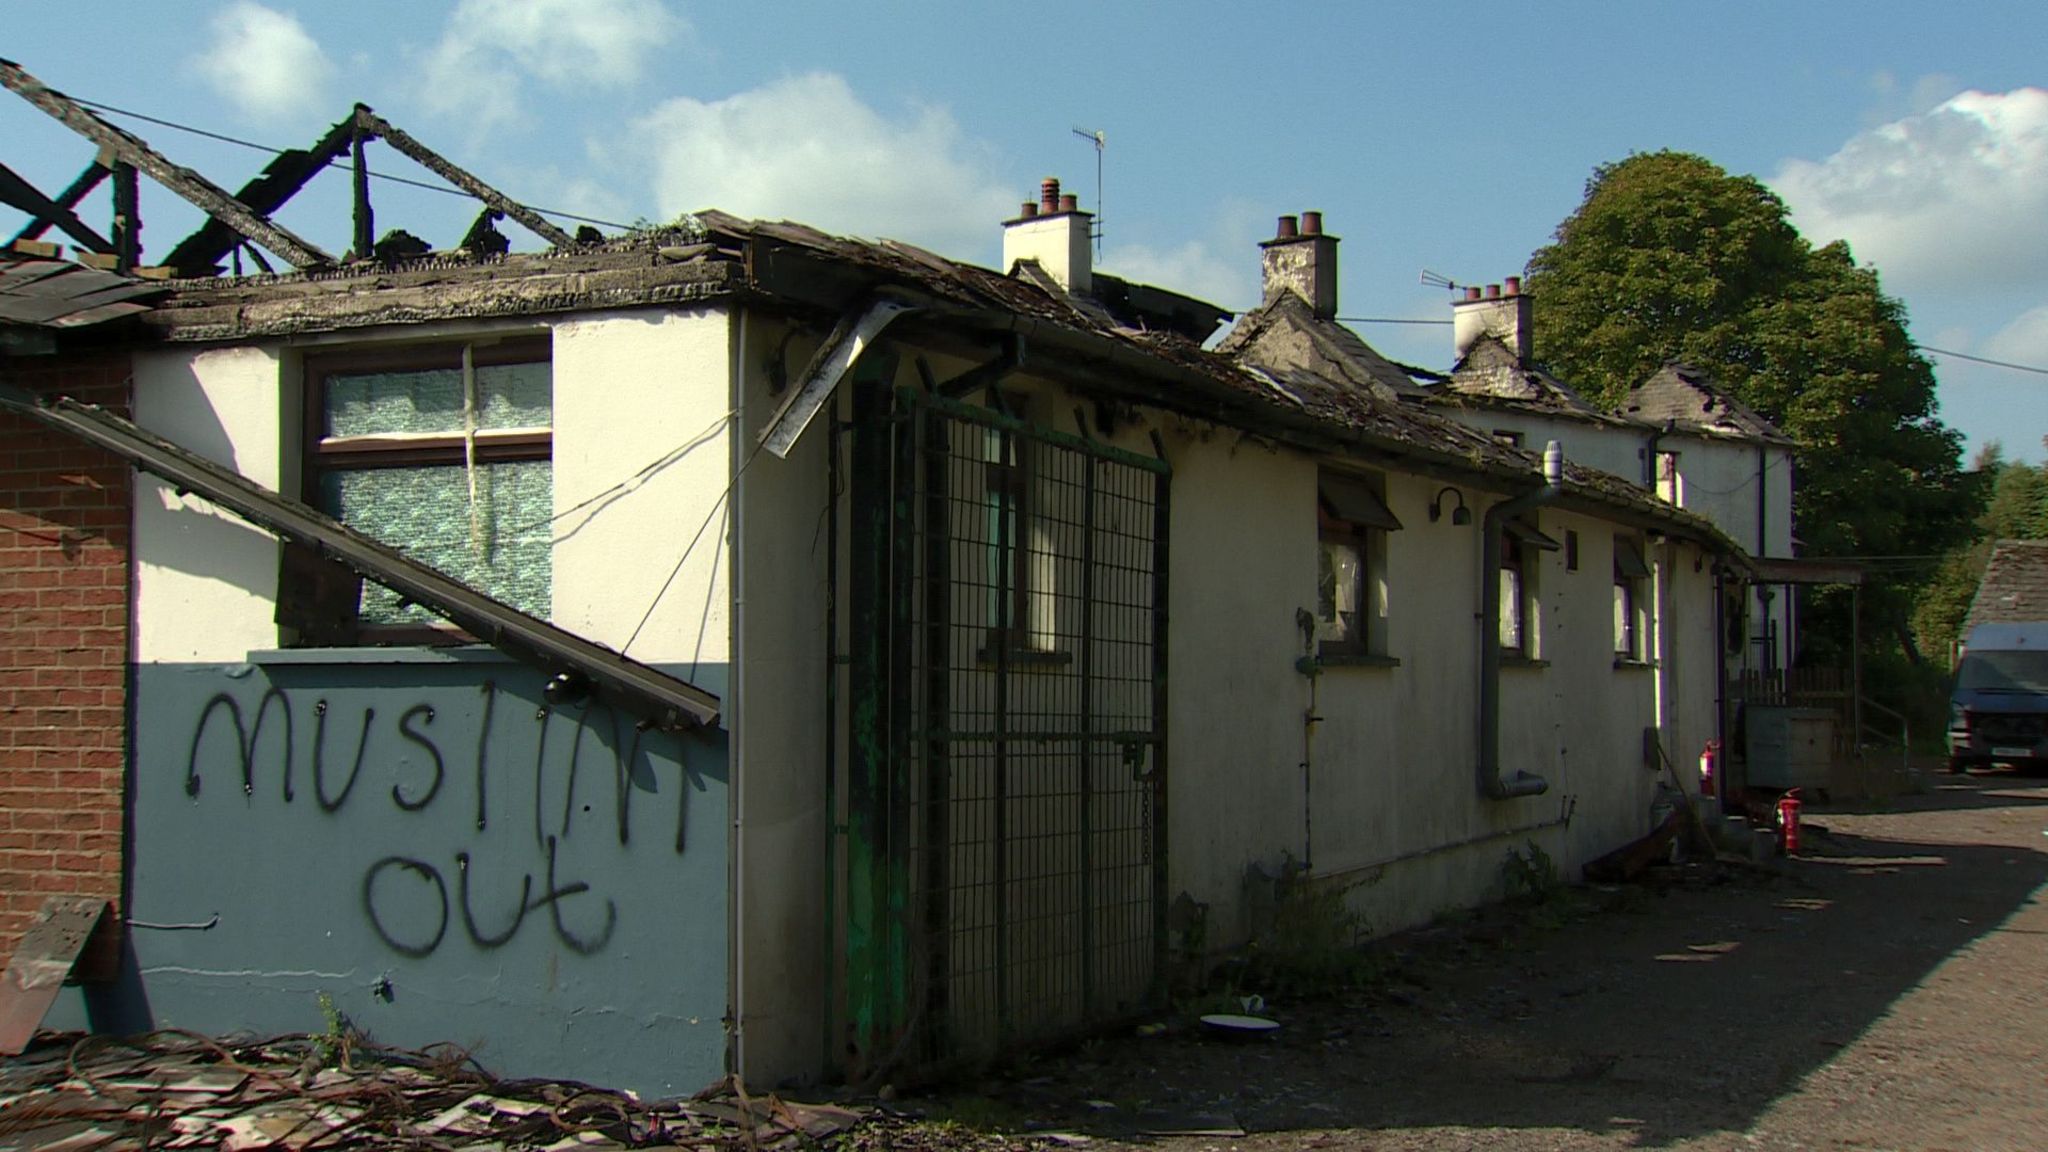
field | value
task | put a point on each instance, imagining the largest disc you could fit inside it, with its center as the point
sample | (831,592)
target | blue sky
(1445,136)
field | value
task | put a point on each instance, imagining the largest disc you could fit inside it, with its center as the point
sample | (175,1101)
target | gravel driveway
(1889,990)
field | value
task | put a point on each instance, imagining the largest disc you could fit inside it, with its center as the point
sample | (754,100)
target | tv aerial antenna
(1439,280)
(1100,139)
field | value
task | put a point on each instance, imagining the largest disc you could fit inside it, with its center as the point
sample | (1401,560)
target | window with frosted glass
(445,454)
(1353,522)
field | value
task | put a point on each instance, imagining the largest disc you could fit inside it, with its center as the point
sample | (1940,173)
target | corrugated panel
(55,294)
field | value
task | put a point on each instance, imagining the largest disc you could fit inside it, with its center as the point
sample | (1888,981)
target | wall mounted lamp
(1460,515)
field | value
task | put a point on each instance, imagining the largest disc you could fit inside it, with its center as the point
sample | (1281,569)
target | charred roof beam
(376,126)
(201,253)
(44,212)
(197,190)
(68,199)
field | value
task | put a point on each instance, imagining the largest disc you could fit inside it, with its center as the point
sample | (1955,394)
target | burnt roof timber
(45,212)
(375,125)
(202,193)
(257,307)
(1114,368)
(79,189)
(200,253)
(661,700)
(801,273)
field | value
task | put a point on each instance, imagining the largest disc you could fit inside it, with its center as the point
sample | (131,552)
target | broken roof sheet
(1694,402)
(42,293)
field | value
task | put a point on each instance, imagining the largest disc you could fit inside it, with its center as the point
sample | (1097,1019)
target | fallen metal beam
(854,333)
(80,188)
(201,253)
(431,160)
(44,212)
(579,664)
(197,190)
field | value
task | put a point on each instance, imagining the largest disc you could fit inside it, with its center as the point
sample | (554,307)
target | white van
(1998,710)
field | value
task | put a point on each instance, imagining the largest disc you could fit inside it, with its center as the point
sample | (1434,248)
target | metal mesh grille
(1033,702)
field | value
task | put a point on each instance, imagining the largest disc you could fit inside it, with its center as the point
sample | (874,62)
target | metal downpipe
(1490,783)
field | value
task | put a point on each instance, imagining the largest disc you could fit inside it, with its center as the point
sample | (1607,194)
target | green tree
(1671,258)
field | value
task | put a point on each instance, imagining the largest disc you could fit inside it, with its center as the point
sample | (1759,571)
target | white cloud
(808,148)
(266,64)
(2024,340)
(1194,268)
(1950,198)
(488,49)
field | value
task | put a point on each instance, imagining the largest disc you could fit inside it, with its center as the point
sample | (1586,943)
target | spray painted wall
(413,833)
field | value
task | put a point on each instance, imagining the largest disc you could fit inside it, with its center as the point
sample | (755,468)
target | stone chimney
(1056,233)
(1303,260)
(1503,313)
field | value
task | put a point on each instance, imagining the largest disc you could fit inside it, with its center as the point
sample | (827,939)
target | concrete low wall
(417,836)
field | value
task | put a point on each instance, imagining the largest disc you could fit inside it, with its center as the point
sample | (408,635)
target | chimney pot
(1312,223)
(1287,230)
(1514,286)
(1493,291)
(1473,292)
(1054,234)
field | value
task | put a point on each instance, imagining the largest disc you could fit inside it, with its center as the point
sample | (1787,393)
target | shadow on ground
(1649,1018)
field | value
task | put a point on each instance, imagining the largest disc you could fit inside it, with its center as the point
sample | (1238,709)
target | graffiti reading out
(413,902)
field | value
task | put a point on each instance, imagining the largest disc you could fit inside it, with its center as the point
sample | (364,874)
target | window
(1020,563)
(1629,574)
(1519,623)
(446,454)
(1351,565)
(1670,481)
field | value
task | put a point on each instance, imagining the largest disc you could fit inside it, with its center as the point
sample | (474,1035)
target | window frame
(1366,640)
(1514,562)
(322,455)
(1522,539)
(1630,642)
(1010,477)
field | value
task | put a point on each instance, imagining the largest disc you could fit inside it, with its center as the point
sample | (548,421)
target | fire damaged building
(734,647)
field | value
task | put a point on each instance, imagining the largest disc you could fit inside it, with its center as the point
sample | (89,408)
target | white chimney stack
(1302,259)
(1503,315)
(1055,233)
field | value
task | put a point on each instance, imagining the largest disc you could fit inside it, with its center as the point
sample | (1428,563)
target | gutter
(1490,783)
(578,665)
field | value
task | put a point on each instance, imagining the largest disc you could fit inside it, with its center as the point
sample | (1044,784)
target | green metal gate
(1003,854)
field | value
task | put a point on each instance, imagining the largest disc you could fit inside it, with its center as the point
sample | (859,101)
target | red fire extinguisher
(1708,757)
(1788,821)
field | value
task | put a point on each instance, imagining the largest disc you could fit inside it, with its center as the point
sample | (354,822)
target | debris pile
(176,1090)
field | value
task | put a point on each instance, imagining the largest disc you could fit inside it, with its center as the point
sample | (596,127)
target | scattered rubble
(177,1090)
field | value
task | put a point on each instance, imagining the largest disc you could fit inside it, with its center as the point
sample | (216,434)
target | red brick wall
(64,603)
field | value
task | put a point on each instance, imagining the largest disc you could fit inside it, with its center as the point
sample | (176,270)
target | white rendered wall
(1389,801)
(632,389)
(778,706)
(1603,446)
(205,580)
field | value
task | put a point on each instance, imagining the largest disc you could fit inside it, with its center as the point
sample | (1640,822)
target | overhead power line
(1983,360)
(564,215)
(386,176)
